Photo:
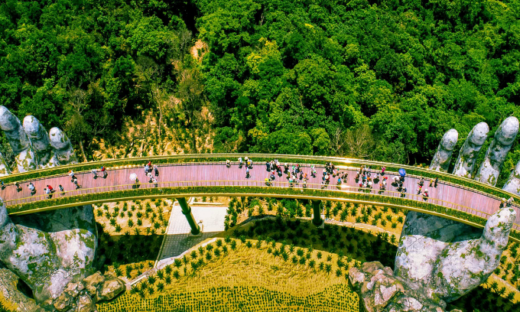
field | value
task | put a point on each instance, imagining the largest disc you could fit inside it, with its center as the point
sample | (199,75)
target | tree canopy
(318,77)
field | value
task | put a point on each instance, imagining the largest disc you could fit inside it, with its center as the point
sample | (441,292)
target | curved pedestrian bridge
(454,198)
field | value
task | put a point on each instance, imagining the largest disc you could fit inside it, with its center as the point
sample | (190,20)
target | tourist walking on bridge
(32,188)
(75,181)
(104,171)
(94,172)
(71,175)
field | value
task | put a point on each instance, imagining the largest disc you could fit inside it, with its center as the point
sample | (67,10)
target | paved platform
(178,238)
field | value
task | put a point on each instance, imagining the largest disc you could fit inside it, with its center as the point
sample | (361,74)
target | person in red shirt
(104,171)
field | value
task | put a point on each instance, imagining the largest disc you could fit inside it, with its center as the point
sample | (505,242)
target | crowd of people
(365,178)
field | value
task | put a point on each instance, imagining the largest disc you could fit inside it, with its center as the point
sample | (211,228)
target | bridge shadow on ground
(346,241)
(481,299)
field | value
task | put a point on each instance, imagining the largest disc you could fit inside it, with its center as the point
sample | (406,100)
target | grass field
(285,264)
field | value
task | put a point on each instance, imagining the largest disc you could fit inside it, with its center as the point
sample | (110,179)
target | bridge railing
(46,200)
(197,158)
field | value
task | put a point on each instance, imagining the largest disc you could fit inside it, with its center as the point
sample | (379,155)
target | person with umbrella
(133,177)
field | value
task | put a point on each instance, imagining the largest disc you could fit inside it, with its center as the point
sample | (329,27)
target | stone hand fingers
(441,159)
(468,153)
(497,151)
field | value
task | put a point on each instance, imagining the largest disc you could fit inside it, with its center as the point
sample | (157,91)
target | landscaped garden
(131,234)
(279,261)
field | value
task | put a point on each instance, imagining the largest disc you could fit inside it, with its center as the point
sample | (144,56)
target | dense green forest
(374,79)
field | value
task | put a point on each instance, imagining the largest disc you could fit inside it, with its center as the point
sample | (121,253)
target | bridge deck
(452,196)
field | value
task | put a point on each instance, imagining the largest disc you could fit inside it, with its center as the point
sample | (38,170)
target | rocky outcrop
(48,250)
(53,253)
(9,290)
(83,295)
(379,290)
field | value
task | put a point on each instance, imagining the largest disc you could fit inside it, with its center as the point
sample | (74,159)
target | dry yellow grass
(251,266)
(252,275)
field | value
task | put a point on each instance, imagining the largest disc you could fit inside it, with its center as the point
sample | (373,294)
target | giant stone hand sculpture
(31,143)
(52,252)
(440,260)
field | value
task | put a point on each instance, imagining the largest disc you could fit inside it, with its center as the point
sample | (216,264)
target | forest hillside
(371,79)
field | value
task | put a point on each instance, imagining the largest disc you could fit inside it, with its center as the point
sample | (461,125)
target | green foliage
(410,71)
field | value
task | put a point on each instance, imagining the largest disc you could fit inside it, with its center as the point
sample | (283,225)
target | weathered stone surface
(469,151)
(513,182)
(63,302)
(93,282)
(380,291)
(32,146)
(497,151)
(20,144)
(39,139)
(49,250)
(451,268)
(441,159)
(4,168)
(112,287)
(9,291)
(85,304)
(63,150)
(73,289)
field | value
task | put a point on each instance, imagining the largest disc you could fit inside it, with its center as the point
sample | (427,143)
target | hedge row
(247,190)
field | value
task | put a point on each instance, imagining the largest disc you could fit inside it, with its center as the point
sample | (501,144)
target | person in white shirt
(32,188)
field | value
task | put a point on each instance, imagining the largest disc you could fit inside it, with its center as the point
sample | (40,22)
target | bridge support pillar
(317,221)
(186,210)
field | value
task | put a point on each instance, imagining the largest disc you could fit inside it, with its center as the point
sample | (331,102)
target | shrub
(160,274)
(160,287)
